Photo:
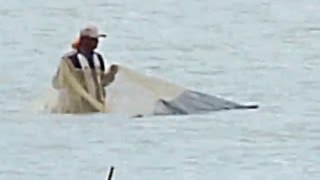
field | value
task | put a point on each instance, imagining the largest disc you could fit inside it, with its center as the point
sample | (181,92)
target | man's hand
(113,69)
(110,75)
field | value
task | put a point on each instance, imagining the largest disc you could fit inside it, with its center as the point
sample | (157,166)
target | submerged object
(135,94)
(192,102)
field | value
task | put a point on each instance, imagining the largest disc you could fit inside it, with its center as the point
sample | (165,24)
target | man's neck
(85,51)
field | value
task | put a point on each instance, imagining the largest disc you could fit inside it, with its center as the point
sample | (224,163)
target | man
(81,76)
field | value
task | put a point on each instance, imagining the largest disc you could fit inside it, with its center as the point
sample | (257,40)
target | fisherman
(85,67)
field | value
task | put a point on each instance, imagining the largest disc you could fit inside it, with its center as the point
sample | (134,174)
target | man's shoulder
(101,59)
(100,55)
(70,54)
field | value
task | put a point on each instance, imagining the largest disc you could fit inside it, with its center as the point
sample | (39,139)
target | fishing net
(134,93)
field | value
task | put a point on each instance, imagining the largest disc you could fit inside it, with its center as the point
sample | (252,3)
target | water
(248,51)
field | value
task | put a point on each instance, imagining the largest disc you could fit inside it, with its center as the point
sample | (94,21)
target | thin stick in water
(110,173)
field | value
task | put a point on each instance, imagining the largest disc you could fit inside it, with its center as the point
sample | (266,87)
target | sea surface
(249,51)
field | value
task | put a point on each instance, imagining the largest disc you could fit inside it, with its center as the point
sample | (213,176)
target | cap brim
(98,36)
(102,35)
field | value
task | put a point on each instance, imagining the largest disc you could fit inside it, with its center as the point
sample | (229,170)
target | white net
(133,93)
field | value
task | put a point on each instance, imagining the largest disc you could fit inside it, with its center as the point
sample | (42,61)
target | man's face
(90,43)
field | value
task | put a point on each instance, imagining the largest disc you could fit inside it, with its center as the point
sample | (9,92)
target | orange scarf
(75,43)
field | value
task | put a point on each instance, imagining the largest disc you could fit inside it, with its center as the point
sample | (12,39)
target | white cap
(91,31)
